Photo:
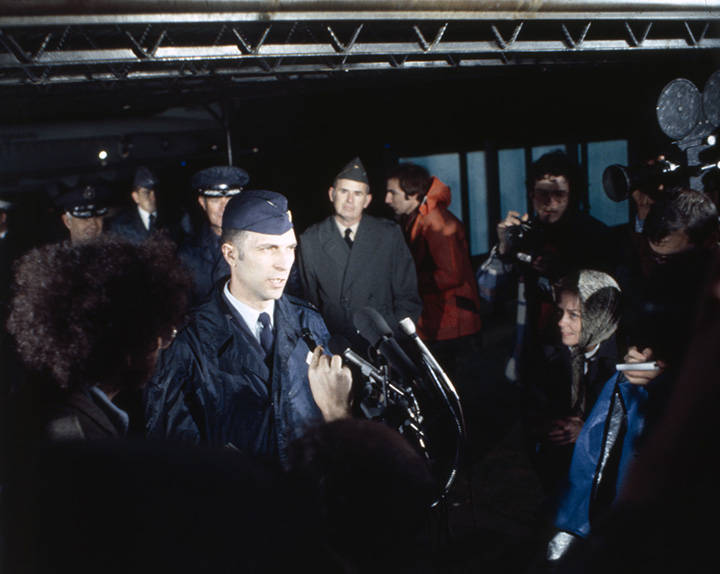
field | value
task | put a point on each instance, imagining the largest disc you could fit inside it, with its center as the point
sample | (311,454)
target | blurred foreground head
(372,488)
(97,312)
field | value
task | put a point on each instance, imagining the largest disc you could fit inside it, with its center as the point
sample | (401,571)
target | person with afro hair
(89,321)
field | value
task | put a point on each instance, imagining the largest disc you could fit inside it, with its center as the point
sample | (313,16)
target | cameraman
(558,240)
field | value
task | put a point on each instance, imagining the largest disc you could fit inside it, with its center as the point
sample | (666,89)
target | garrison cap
(258,210)
(144,178)
(220,181)
(85,200)
(354,171)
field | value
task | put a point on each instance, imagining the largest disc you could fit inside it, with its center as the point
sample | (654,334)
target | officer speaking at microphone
(237,375)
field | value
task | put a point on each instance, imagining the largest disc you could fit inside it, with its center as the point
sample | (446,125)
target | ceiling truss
(49,50)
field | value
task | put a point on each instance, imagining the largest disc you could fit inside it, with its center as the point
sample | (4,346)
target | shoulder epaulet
(301,302)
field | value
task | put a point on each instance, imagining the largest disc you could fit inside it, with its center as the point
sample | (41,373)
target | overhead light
(102,154)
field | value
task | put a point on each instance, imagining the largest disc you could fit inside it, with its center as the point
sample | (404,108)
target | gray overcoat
(377,272)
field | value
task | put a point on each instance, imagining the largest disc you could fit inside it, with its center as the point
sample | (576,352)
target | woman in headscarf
(570,379)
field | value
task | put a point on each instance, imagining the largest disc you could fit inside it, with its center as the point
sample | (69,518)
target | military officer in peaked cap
(138,222)
(352,260)
(83,209)
(214,186)
(237,373)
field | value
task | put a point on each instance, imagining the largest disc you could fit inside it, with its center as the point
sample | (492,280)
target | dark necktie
(348,239)
(151,222)
(266,334)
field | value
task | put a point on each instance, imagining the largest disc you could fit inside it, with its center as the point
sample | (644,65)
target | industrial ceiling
(173,47)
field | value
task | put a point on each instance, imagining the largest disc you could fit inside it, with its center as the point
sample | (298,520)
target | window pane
(512,181)
(477,190)
(543,149)
(601,155)
(446,167)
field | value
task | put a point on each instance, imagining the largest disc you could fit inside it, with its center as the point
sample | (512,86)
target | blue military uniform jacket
(127,224)
(212,385)
(201,254)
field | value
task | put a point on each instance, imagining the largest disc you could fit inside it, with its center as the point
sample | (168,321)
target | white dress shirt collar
(145,216)
(353,229)
(249,314)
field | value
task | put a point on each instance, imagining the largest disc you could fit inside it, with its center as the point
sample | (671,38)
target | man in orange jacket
(450,320)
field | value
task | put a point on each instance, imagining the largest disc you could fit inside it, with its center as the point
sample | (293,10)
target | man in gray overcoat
(352,260)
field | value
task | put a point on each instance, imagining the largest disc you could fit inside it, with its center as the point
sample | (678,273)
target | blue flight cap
(258,210)
(144,178)
(85,200)
(219,181)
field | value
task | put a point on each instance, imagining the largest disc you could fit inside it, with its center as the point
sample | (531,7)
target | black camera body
(524,241)
(692,120)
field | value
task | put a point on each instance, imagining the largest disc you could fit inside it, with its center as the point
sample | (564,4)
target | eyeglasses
(543,195)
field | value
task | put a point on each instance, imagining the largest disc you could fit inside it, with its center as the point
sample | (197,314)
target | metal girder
(250,41)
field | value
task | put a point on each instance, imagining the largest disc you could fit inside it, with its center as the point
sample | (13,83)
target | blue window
(599,156)
(446,167)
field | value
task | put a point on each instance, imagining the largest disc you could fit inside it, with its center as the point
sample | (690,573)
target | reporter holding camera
(536,250)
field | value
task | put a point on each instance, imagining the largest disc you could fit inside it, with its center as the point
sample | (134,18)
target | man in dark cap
(137,223)
(83,209)
(237,374)
(351,260)
(201,253)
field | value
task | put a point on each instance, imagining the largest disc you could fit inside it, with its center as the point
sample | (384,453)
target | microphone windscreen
(407,326)
(337,344)
(371,325)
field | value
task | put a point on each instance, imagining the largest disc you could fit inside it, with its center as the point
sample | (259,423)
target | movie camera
(692,120)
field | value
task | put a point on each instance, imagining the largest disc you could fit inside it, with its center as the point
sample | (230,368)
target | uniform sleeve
(171,397)
(406,299)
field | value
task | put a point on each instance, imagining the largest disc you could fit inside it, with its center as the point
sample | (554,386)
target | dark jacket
(552,375)
(377,272)
(212,385)
(83,415)
(128,225)
(202,256)
(40,411)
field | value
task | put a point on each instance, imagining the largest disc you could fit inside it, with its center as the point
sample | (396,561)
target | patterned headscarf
(599,296)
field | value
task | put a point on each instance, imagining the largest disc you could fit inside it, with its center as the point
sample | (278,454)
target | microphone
(408,327)
(371,325)
(339,345)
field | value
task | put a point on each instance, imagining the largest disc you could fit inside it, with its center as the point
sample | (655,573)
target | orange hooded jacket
(451,306)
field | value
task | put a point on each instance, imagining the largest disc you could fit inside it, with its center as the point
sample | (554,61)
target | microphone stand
(446,389)
(403,398)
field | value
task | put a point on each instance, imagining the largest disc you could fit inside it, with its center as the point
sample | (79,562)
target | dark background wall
(293,136)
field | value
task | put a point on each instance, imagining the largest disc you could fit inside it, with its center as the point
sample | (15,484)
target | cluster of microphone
(393,380)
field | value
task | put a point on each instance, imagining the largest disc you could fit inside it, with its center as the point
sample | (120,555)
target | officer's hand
(641,378)
(511,219)
(330,384)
